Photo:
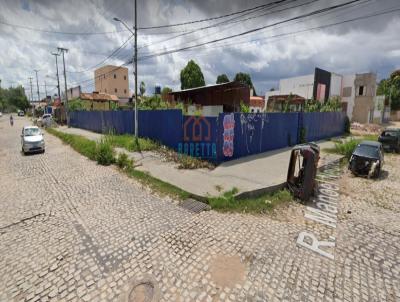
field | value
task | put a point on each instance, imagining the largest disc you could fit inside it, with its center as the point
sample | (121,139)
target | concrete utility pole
(45,89)
(134,32)
(63,50)
(30,80)
(58,78)
(136,75)
(37,84)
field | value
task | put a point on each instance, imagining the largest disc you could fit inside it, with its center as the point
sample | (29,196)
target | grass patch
(185,161)
(104,154)
(262,204)
(129,142)
(79,143)
(347,146)
(158,185)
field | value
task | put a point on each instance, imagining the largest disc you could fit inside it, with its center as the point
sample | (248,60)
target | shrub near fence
(217,139)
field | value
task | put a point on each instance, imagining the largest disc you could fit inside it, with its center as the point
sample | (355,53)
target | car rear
(390,140)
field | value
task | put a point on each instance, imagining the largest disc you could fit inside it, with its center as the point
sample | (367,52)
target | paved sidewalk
(251,173)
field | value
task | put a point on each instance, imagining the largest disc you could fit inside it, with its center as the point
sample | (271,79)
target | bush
(303,135)
(124,162)
(265,203)
(347,125)
(105,153)
(346,148)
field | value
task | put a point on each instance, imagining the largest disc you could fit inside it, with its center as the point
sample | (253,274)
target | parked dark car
(390,139)
(367,159)
(302,170)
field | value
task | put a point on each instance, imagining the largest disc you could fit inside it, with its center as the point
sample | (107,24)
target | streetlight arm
(124,24)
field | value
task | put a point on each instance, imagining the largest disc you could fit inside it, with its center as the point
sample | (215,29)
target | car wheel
(378,172)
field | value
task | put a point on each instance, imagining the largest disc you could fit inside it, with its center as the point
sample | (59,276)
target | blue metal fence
(320,125)
(257,132)
(218,139)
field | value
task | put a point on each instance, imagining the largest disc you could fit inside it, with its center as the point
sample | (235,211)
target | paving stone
(81,231)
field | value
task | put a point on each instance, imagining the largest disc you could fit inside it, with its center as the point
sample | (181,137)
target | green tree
(245,79)
(164,92)
(191,76)
(76,105)
(222,78)
(13,98)
(142,88)
(391,88)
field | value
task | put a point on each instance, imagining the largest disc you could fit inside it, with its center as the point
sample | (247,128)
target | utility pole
(37,84)
(63,50)
(136,75)
(58,78)
(45,89)
(30,80)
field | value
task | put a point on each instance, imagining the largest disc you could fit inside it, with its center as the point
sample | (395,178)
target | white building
(357,92)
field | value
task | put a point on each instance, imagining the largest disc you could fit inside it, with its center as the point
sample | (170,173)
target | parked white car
(1,114)
(45,120)
(32,140)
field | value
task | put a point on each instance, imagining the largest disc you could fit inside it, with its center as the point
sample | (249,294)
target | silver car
(32,140)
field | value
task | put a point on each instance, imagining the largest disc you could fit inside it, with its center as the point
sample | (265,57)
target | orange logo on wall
(199,123)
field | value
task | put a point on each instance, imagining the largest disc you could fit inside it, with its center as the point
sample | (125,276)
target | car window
(390,133)
(369,151)
(31,131)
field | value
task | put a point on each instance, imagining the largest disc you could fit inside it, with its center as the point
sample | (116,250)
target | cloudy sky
(301,39)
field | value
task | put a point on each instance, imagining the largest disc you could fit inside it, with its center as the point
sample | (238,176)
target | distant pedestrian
(11,120)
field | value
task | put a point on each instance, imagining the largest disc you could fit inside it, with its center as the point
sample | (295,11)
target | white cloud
(369,45)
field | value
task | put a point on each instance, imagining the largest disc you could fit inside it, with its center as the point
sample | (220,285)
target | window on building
(124,77)
(361,90)
(115,90)
(346,92)
(124,90)
(115,76)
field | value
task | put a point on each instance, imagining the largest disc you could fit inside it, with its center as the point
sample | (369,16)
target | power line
(308,29)
(59,32)
(231,21)
(123,30)
(252,30)
(115,51)
(212,18)
(225,22)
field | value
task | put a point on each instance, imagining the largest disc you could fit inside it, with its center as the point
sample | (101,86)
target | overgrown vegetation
(105,154)
(128,142)
(79,143)
(390,87)
(332,104)
(244,107)
(347,125)
(12,99)
(124,162)
(76,105)
(263,204)
(346,147)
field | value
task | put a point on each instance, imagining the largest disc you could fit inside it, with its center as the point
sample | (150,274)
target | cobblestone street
(71,230)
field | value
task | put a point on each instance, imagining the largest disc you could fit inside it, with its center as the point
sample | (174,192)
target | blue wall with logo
(217,139)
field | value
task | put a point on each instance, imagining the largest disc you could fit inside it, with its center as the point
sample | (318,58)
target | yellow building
(112,80)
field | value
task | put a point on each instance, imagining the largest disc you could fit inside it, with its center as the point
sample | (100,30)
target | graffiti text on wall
(229,134)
